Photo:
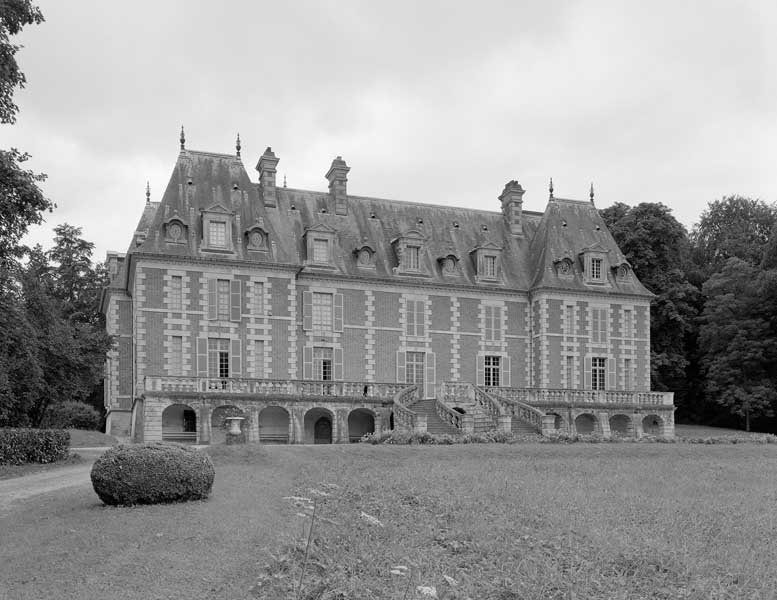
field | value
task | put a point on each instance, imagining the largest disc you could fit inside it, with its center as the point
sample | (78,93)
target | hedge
(20,445)
(152,474)
(71,415)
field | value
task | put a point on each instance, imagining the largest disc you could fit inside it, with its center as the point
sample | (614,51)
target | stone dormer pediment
(321,228)
(217,209)
(487,257)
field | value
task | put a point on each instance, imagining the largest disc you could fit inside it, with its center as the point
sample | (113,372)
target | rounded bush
(152,474)
(71,415)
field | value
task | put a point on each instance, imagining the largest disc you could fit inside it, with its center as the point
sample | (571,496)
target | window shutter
(307,362)
(431,371)
(307,311)
(212,300)
(401,368)
(420,317)
(235,357)
(409,318)
(338,320)
(202,357)
(611,382)
(338,367)
(481,370)
(504,378)
(588,383)
(235,296)
(497,323)
(603,323)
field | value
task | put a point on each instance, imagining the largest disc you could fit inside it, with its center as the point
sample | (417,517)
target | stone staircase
(434,424)
(521,427)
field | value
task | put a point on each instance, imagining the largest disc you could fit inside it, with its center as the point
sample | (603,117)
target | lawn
(479,521)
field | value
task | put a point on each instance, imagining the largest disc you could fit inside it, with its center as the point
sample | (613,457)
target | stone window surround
(217,214)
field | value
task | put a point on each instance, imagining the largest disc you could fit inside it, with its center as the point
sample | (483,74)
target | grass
(83,438)
(478,521)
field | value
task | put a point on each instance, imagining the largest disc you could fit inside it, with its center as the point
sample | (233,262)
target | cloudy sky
(439,102)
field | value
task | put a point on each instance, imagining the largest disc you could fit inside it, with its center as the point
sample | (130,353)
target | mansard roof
(202,180)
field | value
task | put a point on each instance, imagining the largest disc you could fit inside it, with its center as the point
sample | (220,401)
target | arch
(653,425)
(620,425)
(558,421)
(361,421)
(219,425)
(458,409)
(318,425)
(179,424)
(391,420)
(585,424)
(274,425)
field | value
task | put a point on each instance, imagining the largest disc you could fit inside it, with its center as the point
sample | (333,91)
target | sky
(427,101)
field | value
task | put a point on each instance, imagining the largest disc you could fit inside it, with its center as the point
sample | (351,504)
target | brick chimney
(338,178)
(512,206)
(266,167)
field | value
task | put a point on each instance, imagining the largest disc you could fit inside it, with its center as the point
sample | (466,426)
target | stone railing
(452,417)
(404,418)
(487,409)
(538,397)
(274,387)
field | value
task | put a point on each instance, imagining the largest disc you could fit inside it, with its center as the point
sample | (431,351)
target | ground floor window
(415,368)
(598,371)
(493,366)
(322,364)
(218,358)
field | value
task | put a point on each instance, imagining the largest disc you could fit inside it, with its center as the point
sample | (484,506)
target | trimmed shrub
(71,415)
(152,474)
(20,445)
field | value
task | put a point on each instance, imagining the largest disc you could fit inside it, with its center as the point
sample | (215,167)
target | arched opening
(318,426)
(460,410)
(179,424)
(361,421)
(620,425)
(274,425)
(219,423)
(652,425)
(391,421)
(558,421)
(585,424)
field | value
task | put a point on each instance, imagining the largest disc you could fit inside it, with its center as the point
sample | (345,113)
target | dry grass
(503,522)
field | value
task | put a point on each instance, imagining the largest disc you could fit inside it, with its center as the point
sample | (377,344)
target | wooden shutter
(588,382)
(409,318)
(307,311)
(235,356)
(338,366)
(338,320)
(202,357)
(307,363)
(611,382)
(401,367)
(481,370)
(235,300)
(497,321)
(212,300)
(420,318)
(504,378)
(429,376)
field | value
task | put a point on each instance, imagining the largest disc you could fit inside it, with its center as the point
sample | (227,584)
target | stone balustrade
(547,397)
(404,418)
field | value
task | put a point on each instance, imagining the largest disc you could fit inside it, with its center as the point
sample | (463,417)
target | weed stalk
(307,548)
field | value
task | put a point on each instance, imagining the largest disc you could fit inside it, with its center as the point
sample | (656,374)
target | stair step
(434,424)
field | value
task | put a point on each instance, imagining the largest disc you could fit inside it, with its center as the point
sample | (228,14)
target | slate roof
(203,180)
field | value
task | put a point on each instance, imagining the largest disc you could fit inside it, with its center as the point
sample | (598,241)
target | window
(176,355)
(222,299)
(176,293)
(570,372)
(415,315)
(415,368)
(258,299)
(218,358)
(259,359)
(489,267)
(493,328)
(596,269)
(322,312)
(569,319)
(217,234)
(597,373)
(322,364)
(320,251)
(413,258)
(627,378)
(599,325)
(628,323)
(493,367)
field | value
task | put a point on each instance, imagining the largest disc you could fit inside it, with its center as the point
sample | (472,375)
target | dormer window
(489,267)
(564,267)
(488,263)
(413,258)
(320,250)
(175,230)
(319,244)
(409,248)
(623,272)
(217,229)
(365,257)
(256,237)
(448,265)
(596,269)
(217,234)
(594,262)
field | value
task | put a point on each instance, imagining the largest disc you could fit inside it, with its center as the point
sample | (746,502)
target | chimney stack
(338,178)
(266,167)
(512,206)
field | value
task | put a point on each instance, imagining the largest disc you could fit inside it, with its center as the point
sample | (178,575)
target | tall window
(259,359)
(415,310)
(176,293)
(320,251)
(222,299)
(413,258)
(217,234)
(570,372)
(597,373)
(489,267)
(493,366)
(415,368)
(628,323)
(569,319)
(628,384)
(322,364)
(493,323)
(258,300)
(322,312)
(596,269)
(218,357)
(599,325)
(176,355)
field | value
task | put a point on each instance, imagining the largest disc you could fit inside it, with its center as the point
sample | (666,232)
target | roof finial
(183,139)
(148,193)
(284,180)
(591,193)
(237,145)
(550,188)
